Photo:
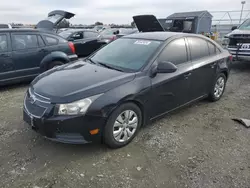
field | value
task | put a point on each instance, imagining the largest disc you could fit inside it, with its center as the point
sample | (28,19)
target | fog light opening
(94,131)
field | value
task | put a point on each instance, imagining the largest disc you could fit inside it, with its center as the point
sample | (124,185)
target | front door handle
(186,76)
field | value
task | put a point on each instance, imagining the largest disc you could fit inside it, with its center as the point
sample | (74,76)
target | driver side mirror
(234,27)
(166,67)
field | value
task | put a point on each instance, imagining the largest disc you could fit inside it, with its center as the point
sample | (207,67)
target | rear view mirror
(234,27)
(166,67)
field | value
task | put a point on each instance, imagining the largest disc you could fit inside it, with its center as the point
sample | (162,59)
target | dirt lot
(199,146)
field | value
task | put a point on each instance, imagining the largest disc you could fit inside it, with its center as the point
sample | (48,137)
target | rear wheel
(218,88)
(123,125)
(54,64)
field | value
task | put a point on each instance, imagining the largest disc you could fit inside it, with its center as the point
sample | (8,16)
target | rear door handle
(187,75)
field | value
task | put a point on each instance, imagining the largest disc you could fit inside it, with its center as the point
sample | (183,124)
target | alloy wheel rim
(125,126)
(219,87)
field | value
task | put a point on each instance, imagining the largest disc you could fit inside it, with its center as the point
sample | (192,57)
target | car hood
(53,19)
(78,80)
(147,23)
(238,32)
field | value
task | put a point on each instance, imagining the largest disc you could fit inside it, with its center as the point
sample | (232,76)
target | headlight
(77,107)
(225,41)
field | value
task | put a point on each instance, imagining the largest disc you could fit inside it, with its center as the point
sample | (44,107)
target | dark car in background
(85,40)
(25,53)
(125,85)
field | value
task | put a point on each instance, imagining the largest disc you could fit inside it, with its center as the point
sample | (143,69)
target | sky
(108,11)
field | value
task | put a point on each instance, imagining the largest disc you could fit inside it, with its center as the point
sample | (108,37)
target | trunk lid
(53,19)
(147,23)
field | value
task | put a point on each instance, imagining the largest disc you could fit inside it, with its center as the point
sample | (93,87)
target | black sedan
(110,95)
(85,41)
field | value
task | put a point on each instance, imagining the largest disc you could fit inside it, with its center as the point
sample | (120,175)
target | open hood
(54,18)
(147,23)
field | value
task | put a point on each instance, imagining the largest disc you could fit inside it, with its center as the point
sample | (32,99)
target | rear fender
(53,56)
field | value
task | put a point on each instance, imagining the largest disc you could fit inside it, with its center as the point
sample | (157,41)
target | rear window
(51,40)
(89,34)
(108,31)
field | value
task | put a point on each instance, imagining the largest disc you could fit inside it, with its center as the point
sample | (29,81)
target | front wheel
(123,125)
(218,88)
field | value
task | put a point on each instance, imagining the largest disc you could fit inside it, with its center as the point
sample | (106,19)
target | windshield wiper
(91,61)
(110,67)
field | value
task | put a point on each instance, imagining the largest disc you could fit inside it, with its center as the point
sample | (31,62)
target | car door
(26,54)
(7,68)
(204,64)
(171,90)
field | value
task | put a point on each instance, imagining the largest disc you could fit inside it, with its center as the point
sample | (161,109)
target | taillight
(113,38)
(72,47)
(231,58)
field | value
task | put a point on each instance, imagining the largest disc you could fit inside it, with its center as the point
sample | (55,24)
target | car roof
(76,30)
(26,30)
(154,35)
(163,35)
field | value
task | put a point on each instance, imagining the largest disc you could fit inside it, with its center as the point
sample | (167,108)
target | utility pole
(243,3)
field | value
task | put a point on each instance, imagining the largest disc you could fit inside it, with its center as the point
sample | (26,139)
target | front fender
(137,91)
(53,56)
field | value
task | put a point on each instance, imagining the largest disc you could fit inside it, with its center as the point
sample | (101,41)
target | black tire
(212,97)
(108,136)
(54,64)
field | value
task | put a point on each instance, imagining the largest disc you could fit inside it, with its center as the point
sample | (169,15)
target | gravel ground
(198,146)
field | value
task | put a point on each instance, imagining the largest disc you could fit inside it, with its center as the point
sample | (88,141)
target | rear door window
(50,40)
(3,43)
(24,41)
(198,48)
(213,50)
(175,52)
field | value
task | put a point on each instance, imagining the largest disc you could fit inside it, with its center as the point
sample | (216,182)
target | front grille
(241,36)
(35,104)
(32,108)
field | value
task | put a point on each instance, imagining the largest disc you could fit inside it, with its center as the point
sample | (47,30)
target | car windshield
(65,34)
(245,25)
(126,54)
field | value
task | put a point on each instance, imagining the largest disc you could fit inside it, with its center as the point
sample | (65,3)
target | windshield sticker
(142,42)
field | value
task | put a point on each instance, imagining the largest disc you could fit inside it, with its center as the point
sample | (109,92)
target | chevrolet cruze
(111,94)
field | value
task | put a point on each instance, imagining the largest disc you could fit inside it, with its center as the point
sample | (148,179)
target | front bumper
(239,54)
(64,129)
